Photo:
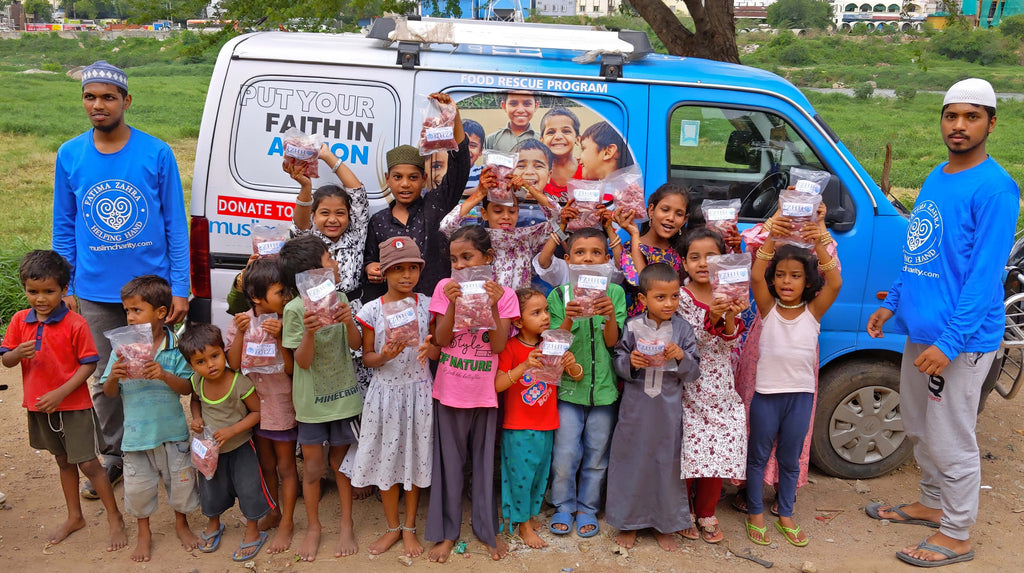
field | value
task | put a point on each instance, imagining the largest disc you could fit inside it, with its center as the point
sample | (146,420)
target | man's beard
(110,128)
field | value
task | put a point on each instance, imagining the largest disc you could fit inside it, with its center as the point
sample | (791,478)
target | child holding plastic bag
(647,437)
(531,411)
(514,247)
(656,242)
(714,421)
(395,447)
(226,402)
(465,401)
(791,299)
(254,348)
(723,218)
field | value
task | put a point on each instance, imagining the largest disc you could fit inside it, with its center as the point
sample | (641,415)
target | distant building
(555,7)
(595,8)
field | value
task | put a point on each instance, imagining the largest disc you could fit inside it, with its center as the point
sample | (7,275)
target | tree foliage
(41,10)
(146,11)
(713,36)
(799,14)
(1013,27)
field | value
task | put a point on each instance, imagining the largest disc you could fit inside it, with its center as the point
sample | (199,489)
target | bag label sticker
(721,214)
(552,348)
(792,209)
(321,290)
(265,350)
(592,282)
(501,160)
(269,247)
(299,152)
(807,186)
(440,133)
(587,195)
(733,276)
(401,318)
(650,348)
(472,287)
(199,448)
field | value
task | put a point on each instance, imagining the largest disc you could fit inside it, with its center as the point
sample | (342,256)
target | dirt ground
(849,541)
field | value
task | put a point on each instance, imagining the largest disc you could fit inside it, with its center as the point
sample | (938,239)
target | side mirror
(739,149)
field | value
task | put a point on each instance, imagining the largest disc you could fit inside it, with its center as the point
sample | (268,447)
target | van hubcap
(866,426)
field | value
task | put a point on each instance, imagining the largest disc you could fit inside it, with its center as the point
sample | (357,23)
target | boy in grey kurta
(656,356)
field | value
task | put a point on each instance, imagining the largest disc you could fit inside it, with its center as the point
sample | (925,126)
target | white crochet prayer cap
(972,90)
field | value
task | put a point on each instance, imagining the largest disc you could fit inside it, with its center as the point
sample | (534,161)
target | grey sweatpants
(103,316)
(456,431)
(939,415)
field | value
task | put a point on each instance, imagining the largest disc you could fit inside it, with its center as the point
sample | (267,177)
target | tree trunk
(714,21)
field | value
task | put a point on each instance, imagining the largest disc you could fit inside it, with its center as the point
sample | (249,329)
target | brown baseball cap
(399,250)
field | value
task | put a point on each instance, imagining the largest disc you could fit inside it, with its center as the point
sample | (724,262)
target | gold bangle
(617,243)
(511,382)
(578,373)
(765,255)
(825,239)
(767,226)
(831,264)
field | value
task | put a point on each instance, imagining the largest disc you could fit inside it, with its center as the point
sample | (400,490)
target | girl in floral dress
(657,243)
(714,421)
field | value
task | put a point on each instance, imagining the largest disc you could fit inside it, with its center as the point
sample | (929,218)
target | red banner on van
(242,207)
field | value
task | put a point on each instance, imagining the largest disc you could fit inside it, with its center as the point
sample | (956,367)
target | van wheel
(858,432)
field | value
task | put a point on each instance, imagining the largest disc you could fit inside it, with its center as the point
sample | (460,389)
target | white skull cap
(972,90)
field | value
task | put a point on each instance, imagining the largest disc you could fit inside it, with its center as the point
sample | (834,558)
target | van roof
(359,50)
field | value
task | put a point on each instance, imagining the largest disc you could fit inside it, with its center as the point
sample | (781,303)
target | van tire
(842,423)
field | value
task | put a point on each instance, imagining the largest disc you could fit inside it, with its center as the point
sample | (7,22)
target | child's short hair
(560,111)
(152,289)
(603,134)
(325,191)
(476,235)
(585,233)
(473,128)
(297,255)
(40,265)
(698,233)
(657,272)
(535,144)
(197,337)
(812,279)
(524,294)
(504,95)
(259,277)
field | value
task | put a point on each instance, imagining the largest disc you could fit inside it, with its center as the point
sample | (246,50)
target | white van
(726,131)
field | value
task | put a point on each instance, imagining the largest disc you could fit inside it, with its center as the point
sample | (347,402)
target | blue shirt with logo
(119,215)
(949,293)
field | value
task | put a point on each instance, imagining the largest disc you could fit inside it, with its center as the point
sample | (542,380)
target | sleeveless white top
(788,353)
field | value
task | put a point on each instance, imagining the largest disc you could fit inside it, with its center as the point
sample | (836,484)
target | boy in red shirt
(57,355)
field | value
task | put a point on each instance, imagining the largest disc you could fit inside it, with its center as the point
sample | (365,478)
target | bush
(52,67)
(979,46)
(905,93)
(795,55)
(863,91)
(1013,27)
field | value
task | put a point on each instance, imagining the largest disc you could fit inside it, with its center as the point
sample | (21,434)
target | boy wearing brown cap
(414,215)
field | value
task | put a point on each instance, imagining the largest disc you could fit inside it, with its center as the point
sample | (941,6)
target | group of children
(644,432)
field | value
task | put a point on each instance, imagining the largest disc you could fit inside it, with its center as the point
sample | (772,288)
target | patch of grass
(12,297)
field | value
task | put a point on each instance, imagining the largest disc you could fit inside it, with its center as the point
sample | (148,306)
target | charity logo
(924,234)
(115,211)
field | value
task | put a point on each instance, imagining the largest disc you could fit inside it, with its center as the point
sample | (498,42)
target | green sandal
(795,532)
(762,530)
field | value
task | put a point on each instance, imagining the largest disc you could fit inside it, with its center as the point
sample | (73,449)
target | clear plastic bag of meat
(205,453)
(134,344)
(316,286)
(304,150)
(502,165)
(588,195)
(626,187)
(808,180)
(438,131)
(554,344)
(589,283)
(730,276)
(402,323)
(721,216)
(260,351)
(473,308)
(268,238)
(800,201)
(651,343)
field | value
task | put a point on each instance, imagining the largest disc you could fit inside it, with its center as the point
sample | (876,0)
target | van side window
(722,153)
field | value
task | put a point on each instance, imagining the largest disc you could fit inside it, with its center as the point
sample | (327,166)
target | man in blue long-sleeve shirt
(118,213)
(949,301)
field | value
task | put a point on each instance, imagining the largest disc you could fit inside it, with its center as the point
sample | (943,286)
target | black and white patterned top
(348,249)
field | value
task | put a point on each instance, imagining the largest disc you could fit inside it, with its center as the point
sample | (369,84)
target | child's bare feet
(282,539)
(144,547)
(499,550)
(413,548)
(310,543)
(384,542)
(346,541)
(118,536)
(270,520)
(65,529)
(359,493)
(626,539)
(666,541)
(189,540)
(441,550)
(528,533)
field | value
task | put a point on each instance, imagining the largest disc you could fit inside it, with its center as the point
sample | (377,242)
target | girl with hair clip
(791,296)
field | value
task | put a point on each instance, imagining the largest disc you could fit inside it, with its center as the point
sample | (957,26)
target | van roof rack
(614,47)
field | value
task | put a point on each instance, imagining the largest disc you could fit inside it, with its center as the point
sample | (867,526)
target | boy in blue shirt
(155,443)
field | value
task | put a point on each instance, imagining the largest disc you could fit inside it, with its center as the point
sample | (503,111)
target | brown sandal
(709,530)
(692,533)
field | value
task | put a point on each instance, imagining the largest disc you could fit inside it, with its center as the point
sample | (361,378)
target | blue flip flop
(561,518)
(583,520)
(258,544)
(214,536)
(950,556)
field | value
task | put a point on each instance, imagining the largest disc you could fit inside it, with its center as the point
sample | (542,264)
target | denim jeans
(582,443)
